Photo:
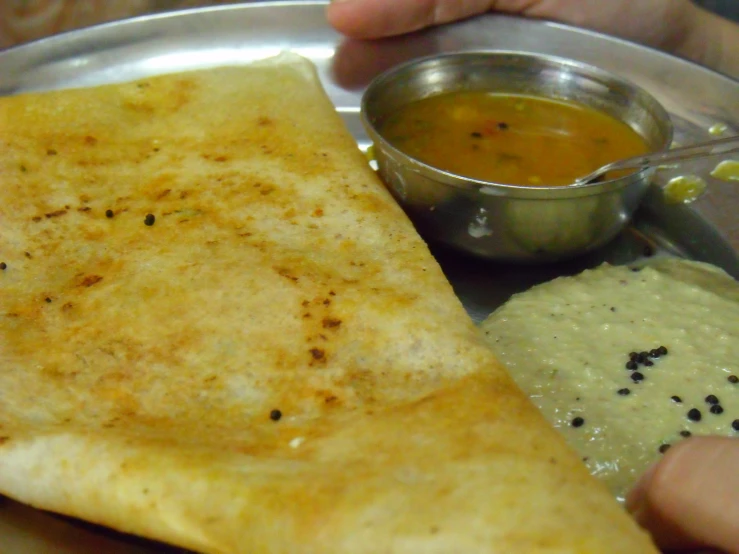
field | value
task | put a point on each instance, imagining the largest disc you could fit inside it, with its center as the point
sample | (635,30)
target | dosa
(219,330)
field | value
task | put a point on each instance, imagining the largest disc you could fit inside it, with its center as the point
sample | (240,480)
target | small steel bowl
(509,222)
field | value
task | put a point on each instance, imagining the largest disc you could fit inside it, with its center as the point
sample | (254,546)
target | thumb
(383,18)
(690,498)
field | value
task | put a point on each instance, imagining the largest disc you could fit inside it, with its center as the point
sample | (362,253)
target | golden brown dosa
(140,365)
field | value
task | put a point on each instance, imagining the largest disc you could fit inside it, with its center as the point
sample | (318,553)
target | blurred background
(25,20)
(727,8)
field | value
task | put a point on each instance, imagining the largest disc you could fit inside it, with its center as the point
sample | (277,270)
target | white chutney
(567,344)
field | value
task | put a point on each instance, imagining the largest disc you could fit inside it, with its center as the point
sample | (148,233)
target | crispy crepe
(273,362)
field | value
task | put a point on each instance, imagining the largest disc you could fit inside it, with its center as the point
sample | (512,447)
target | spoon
(727,145)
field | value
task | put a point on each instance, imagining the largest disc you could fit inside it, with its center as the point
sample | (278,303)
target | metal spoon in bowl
(717,147)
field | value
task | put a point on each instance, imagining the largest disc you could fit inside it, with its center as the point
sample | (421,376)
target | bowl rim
(502,189)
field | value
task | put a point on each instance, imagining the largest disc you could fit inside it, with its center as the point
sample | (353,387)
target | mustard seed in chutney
(694,414)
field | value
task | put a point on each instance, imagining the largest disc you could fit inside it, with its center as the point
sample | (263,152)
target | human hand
(690,499)
(673,25)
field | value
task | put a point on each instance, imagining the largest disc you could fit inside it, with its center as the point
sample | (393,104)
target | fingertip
(368,19)
(358,19)
(689,499)
(335,16)
(636,496)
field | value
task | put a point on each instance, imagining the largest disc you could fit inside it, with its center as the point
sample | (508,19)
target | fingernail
(635,497)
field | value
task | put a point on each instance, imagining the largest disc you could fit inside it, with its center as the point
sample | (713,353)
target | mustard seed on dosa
(273,363)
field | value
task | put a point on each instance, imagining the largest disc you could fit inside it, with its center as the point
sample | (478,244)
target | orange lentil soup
(511,139)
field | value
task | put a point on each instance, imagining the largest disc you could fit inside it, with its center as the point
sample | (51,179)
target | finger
(690,498)
(382,18)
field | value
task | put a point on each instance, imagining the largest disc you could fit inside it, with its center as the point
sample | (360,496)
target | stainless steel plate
(696,98)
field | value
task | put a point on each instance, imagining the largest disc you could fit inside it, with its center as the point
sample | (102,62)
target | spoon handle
(727,145)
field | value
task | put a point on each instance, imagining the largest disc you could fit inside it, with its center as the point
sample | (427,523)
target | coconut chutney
(626,363)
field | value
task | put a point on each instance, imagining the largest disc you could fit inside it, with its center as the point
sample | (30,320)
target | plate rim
(284,4)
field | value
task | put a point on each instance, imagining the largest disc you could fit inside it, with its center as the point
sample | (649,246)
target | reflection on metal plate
(705,229)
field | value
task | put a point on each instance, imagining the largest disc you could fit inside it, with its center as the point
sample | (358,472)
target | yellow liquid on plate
(511,139)
(684,189)
(728,170)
